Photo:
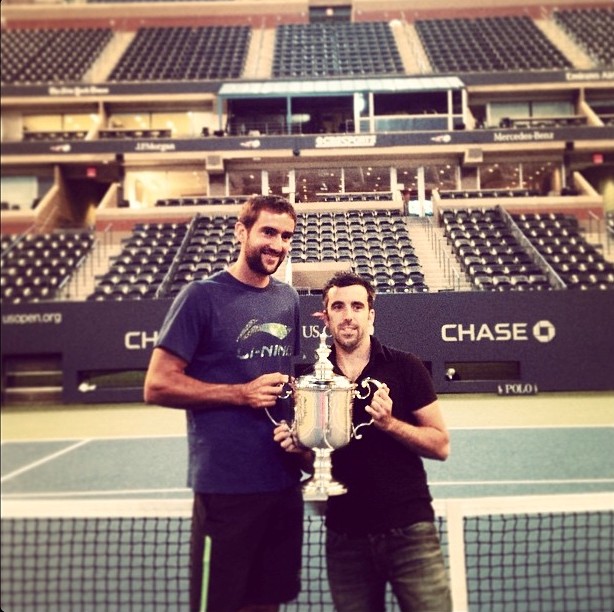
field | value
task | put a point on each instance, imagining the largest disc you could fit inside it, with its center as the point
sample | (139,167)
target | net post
(456,551)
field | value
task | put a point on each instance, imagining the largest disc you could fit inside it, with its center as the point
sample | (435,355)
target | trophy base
(322,485)
(320,490)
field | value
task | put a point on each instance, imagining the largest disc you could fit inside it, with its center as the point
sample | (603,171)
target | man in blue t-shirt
(223,354)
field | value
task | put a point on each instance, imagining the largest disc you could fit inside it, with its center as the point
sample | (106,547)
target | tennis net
(503,554)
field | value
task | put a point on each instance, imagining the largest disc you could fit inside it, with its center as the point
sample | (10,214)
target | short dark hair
(251,209)
(347,279)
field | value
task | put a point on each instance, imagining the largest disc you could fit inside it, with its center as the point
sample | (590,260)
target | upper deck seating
(489,44)
(325,49)
(50,55)
(184,53)
(592,29)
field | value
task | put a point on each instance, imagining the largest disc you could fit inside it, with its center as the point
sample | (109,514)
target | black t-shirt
(386,481)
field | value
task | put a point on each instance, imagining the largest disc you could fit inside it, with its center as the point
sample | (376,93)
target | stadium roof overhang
(337,87)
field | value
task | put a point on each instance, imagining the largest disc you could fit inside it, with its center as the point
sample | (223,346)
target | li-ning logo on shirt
(276,349)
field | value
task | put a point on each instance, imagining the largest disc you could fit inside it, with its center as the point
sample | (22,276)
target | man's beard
(256,265)
(349,343)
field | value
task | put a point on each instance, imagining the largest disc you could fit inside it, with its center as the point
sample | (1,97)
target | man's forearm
(428,442)
(183,391)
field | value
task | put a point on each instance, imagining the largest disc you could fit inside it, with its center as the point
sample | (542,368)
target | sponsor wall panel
(527,136)
(562,341)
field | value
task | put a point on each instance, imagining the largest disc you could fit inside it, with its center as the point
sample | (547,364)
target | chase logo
(544,331)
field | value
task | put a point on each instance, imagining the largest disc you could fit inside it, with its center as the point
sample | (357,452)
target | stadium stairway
(413,56)
(83,283)
(440,268)
(103,66)
(259,61)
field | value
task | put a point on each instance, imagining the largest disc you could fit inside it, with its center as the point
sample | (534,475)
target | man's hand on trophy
(380,408)
(287,439)
(263,392)
(284,435)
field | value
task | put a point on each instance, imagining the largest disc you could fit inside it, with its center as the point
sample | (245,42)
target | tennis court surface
(95,513)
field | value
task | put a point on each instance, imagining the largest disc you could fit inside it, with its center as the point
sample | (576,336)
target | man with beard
(382,530)
(223,354)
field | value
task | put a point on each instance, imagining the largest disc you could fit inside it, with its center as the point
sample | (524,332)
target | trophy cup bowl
(323,404)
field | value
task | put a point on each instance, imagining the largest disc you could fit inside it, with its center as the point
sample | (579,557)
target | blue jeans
(408,558)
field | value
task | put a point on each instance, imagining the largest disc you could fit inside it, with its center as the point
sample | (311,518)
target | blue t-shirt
(230,332)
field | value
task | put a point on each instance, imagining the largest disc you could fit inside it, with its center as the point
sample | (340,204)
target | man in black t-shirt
(382,530)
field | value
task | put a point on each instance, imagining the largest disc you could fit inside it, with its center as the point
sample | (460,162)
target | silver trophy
(323,419)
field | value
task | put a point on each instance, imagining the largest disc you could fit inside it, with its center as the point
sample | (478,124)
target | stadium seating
(505,43)
(489,253)
(487,245)
(123,133)
(50,55)
(36,267)
(488,44)
(591,29)
(376,243)
(377,247)
(146,257)
(559,239)
(184,53)
(486,193)
(158,259)
(315,50)
(200,201)
(38,136)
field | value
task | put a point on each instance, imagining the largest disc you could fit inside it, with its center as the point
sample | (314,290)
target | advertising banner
(505,343)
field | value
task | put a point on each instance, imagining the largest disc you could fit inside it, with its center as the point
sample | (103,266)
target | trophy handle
(287,391)
(285,394)
(365,383)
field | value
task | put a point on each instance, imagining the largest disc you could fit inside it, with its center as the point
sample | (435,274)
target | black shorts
(255,551)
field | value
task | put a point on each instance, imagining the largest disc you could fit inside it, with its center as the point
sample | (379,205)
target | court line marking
(47,459)
(92,438)
(562,426)
(117,493)
(465,483)
(184,436)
